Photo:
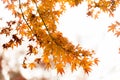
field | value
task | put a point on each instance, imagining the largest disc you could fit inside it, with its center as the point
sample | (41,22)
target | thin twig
(42,18)
(47,27)
(42,21)
(23,15)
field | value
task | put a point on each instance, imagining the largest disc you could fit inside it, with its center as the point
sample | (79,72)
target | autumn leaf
(36,20)
(87,69)
(115,28)
(59,68)
(46,62)
(6,31)
(24,65)
(96,61)
(112,27)
(73,67)
(18,41)
(37,60)
(9,44)
(32,65)
(42,64)
(32,50)
(117,33)
(10,6)
(89,13)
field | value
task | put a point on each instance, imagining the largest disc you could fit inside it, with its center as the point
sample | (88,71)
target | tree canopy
(37,20)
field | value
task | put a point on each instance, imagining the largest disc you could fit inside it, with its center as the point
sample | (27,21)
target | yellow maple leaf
(112,28)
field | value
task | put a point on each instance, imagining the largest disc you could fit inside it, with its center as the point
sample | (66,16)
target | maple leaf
(112,28)
(32,50)
(10,23)
(38,24)
(37,60)
(17,40)
(10,6)
(117,33)
(24,65)
(59,68)
(87,69)
(8,45)
(96,61)
(42,64)
(73,67)
(32,65)
(6,30)
(46,59)
(14,36)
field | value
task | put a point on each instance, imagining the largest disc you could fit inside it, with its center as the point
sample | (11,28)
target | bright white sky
(91,34)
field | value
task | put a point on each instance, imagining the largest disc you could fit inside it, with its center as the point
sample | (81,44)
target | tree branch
(24,16)
(42,19)
(43,23)
(47,27)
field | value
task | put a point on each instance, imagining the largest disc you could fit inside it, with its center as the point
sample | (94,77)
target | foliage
(37,21)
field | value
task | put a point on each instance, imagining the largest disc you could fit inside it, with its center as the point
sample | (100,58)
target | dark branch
(42,18)
(43,23)
(47,28)
(24,16)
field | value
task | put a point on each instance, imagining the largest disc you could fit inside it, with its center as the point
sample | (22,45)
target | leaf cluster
(37,21)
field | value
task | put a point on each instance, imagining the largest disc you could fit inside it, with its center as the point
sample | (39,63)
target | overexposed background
(78,28)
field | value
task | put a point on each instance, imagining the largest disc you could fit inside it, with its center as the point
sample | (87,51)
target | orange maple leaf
(46,59)
(59,68)
(37,60)
(87,69)
(32,65)
(24,65)
(96,61)
(117,33)
(10,6)
(112,28)
(73,67)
